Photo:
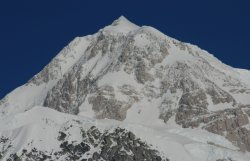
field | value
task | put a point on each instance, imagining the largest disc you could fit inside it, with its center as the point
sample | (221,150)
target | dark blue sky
(32,32)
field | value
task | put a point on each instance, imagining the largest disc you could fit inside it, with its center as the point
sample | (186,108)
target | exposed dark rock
(116,145)
(62,136)
(107,106)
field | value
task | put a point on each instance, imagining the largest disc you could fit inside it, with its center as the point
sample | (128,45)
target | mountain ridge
(139,76)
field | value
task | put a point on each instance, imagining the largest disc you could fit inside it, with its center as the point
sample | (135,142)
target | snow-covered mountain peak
(138,78)
(122,26)
(121,19)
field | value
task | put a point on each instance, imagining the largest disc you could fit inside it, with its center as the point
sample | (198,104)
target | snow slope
(39,128)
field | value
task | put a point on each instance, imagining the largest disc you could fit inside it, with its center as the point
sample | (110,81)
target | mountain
(129,93)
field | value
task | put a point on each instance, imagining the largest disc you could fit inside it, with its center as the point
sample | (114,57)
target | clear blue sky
(32,32)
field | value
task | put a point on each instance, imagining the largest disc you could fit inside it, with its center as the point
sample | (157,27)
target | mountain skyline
(33,32)
(129,92)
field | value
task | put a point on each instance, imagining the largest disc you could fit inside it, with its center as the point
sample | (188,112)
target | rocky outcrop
(191,104)
(116,145)
(122,145)
(229,123)
(71,91)
(106,105)
(141,73)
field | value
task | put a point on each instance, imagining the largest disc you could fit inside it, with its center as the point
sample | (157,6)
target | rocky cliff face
(146,57)
(137,74)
